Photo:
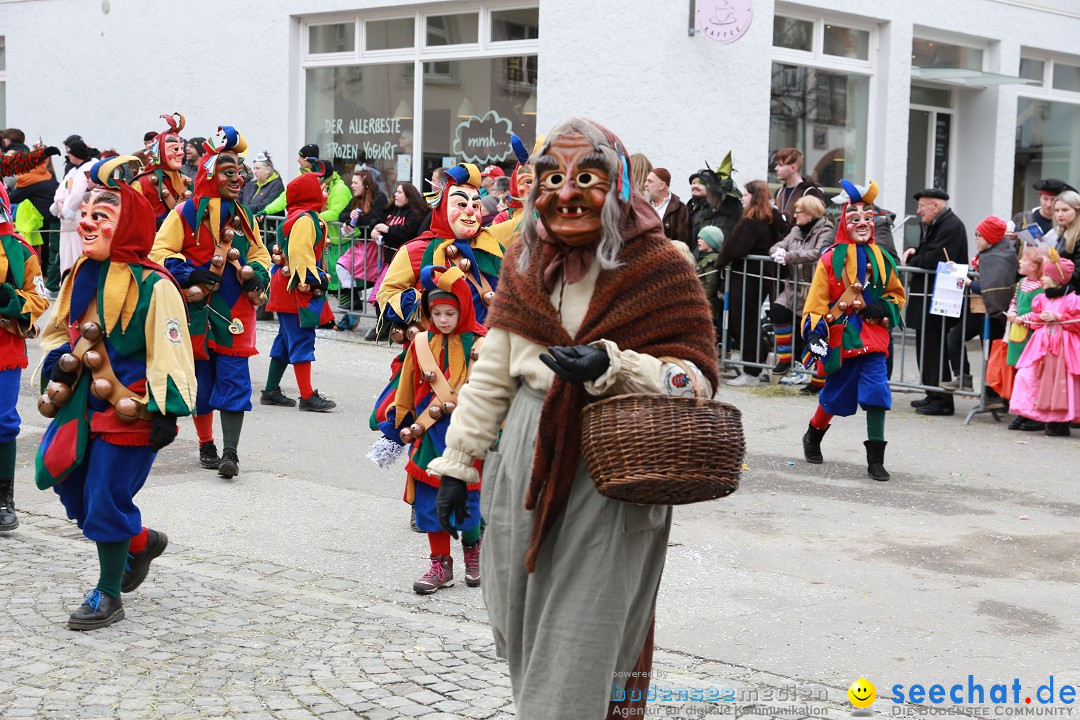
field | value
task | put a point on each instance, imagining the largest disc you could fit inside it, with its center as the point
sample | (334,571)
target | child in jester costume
(211,245)
(161,181)
(455,239)
(21,304)
(415,410)
(121,371)
(521,180)
(855,299)
(298,291)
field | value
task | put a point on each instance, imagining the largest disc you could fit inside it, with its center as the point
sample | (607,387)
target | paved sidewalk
(216,636)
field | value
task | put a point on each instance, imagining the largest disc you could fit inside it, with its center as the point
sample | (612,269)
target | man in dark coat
(944,239)
(674,215)
(714,200)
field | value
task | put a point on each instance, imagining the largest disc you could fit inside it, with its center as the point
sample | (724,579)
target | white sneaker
(744,380)
(795,378)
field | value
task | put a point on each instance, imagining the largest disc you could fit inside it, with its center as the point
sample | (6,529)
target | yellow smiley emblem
(862,693)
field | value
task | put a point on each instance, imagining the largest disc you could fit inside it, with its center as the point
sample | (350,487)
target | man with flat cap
(1043,215)
(943,239)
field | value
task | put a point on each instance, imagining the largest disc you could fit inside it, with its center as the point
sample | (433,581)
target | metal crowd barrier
(749,286)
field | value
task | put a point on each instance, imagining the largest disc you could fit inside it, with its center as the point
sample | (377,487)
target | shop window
(846,42)
(1066,77)
(509,25)
(1047,138)
(793,33)
(472,120)
(453,29)
(3,84)
(824,114)
(362,114)
(933,97)
(934,54)
(337,38)
(393,34)
(1032,69)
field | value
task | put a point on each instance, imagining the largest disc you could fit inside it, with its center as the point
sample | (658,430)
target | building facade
(979,97)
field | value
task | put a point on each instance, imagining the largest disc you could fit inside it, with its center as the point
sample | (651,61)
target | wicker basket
(662,449)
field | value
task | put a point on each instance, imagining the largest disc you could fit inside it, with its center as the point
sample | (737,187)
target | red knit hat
(992,229)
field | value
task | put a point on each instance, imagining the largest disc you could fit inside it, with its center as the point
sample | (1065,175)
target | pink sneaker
(472,564)
(439,575)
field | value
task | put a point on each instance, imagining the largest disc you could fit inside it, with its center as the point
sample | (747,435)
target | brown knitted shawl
(653,304)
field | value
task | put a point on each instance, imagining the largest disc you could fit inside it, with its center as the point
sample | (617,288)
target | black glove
(52,150)
(162,431)
(577,364)
(817,344)
(324,282)
(252,285)
(204,277)
(64,378)
(874,311)
(451,503)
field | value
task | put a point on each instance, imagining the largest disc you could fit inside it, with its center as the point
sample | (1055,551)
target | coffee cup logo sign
(725,21)
(483,140)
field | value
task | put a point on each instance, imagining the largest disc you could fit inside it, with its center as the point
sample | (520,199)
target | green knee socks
(112,557)
(470,537)
(231,424)
(875,423)
(277,371)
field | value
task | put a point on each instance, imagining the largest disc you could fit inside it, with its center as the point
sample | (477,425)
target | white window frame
(817,59)
(418,54)
(1047,91)
(947,38)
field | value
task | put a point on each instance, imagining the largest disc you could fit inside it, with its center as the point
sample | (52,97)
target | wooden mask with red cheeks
(172,155)
(859,221)
(464,211)
(100,215)
(227,176)
(573,187)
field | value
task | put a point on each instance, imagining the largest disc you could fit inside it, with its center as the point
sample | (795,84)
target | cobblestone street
(285,593)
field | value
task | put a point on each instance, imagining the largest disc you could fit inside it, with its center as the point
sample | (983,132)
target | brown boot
(439,575)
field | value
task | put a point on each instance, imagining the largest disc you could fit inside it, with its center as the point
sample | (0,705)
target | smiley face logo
(862,693)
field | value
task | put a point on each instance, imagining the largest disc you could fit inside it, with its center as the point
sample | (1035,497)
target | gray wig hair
(611,242)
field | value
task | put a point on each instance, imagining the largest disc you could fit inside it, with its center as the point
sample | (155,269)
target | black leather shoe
(208,456)
(1058,429)
(1032,426)
(97,611)
(138,564)
(935,409)
(317,403)
(921,402)
(230,464)
(276,397)
(1017,423)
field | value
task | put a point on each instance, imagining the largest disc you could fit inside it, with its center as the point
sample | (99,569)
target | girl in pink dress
(1047,386)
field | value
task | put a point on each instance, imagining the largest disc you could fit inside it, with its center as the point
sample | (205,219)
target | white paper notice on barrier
(949,285)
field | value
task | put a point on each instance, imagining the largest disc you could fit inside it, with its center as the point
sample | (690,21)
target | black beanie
(309,150)
(78,149)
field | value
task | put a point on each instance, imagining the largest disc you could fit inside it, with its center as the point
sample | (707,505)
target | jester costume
(211,245)
(854,300)
(161,182)
(415,410)
(121,371)
(21,304)
(297,292)
(521,180)
(478,254)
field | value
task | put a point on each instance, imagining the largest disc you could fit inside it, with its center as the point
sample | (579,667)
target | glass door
(929,150)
